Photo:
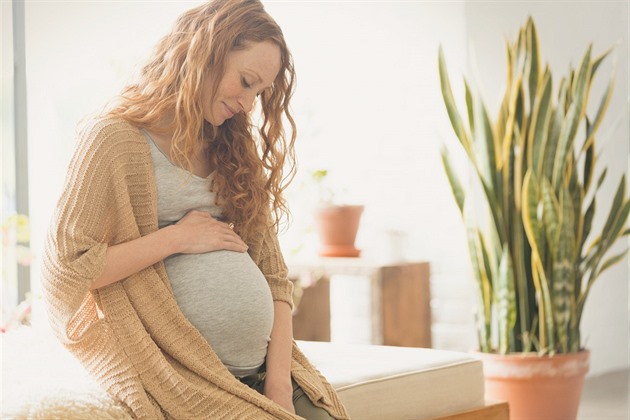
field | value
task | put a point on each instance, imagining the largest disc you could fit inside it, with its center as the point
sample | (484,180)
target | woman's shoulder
(109,142)
(110,134)
(108,128)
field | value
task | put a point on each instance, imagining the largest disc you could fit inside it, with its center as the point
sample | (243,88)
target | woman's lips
(229,111)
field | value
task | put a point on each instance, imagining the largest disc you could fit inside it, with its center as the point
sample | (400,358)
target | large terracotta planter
(536,387)
(337,227)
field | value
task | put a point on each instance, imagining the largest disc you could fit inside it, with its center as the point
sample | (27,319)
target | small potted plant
(534,253)
(337,224)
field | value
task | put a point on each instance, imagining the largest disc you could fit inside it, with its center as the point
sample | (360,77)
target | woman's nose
(246,101)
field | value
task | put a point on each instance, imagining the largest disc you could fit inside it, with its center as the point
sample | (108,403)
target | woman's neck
(162,134)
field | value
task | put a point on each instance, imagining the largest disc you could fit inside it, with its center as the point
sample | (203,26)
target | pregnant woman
(162,271)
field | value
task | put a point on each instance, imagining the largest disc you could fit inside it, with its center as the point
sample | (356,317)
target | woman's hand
(278,386)
(199,232)
(280,393)
(195,233)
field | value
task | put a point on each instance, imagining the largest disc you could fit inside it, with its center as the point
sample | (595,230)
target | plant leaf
(506,300)
(563,272)
(451,108)
(599,116)
(570,124)
(484,145)
(532,223)
(612,261)
(540,123)
(453,179)
(589,166)
(551,217)
(483,285)
(534,69)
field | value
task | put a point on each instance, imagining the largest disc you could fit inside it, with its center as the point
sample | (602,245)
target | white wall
(369,109)
(565,30)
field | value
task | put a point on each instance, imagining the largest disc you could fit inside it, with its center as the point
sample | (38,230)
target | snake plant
(534,167)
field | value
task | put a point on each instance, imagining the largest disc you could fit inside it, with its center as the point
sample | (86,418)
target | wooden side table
(400,301)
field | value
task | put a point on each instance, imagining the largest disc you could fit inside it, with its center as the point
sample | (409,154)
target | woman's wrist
(278,379)
(278,384)
(172,239)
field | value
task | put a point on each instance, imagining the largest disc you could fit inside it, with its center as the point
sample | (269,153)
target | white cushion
(384,382)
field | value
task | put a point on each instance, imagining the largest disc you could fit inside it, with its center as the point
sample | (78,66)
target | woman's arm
(278,385)
(195,233)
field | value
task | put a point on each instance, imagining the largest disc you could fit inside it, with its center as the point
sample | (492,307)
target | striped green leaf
(484,144)
(541,118)
(599,116)
(589,166)
(612,261)
(506,300)
(453,180)
(551,216)
(616,217)
(534,60)
(451,108)
(470,106)
(563,272)
(484,315)
(532,212)
(572,119)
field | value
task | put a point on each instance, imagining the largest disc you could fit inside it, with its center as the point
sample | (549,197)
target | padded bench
(40,380)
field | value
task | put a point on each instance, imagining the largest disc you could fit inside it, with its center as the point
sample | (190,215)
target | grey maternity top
(223,293)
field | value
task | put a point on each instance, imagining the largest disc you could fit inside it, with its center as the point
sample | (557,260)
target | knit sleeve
(271,263)
(75,248)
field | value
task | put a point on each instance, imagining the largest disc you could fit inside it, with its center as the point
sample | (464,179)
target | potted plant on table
(336,224)
(530,257)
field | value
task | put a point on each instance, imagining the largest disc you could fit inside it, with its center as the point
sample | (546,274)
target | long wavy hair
(252,167)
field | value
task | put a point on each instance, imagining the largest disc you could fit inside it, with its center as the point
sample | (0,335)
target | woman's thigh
(305,408)
(303,405)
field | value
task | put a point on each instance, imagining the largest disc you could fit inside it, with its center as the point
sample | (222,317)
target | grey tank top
(223,293)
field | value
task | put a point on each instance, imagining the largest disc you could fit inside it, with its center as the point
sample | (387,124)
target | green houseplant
(535,256)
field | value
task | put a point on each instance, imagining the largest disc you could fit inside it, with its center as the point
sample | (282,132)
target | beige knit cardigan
(131,335)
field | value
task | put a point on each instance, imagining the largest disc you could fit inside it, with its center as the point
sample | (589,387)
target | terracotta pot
(337,227)
(536,387)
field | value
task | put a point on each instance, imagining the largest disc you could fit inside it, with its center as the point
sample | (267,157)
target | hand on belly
(227,298)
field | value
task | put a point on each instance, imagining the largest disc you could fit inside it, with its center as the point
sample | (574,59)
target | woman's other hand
(199,232)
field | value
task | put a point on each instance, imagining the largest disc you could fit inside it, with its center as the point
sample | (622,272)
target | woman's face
(247,73)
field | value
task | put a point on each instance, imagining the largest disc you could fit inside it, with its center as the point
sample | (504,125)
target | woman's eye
(244,83)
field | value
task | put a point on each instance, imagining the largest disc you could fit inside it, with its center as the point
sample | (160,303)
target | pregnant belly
(226,297)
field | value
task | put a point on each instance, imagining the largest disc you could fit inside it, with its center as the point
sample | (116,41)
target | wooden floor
(605,397)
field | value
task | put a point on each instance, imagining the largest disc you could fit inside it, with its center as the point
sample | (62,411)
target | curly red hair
(253,167)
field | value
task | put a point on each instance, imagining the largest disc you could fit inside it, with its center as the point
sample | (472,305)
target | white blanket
(41,380)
